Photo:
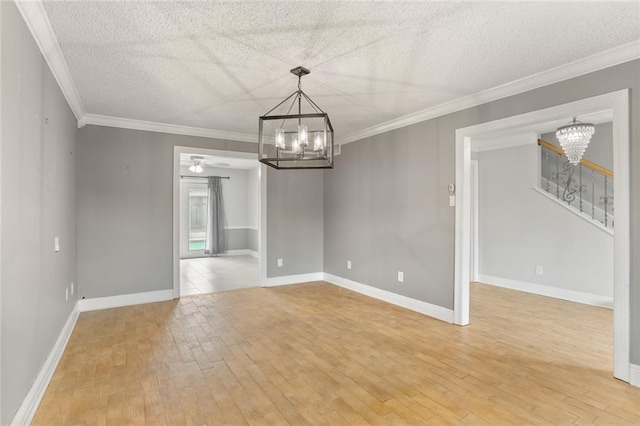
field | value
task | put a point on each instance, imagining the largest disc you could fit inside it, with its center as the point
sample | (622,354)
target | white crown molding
(434,311)
(37,21)
(151,126)
(608,58)
(527,138)
(32,399)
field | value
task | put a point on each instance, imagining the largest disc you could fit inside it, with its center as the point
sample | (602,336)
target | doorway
(217,222)
(193,218)
(615,104)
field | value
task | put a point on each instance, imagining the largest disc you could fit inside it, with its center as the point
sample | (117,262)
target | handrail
(586,163)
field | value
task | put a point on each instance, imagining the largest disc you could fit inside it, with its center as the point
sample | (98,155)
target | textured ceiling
(220,65)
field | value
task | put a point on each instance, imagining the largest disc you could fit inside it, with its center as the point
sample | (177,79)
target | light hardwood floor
(316,353)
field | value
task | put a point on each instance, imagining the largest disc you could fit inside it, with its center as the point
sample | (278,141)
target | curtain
(215,241)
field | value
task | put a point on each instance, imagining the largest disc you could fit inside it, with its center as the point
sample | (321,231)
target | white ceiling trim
(530,134)
(151,126)
(527,138)
(608,58)
(38,23)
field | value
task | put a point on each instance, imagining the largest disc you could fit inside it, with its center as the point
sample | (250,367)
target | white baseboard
(98,303)
(241,252)
(543,290)
(293,279)
(30,403)
(425,308)
(634,375)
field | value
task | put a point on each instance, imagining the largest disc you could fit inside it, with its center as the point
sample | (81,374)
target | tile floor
(211,274)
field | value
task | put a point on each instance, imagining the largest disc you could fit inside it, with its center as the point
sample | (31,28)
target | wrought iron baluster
(580,187)
(546,152)
(605,202)
(557,177)
(593,194)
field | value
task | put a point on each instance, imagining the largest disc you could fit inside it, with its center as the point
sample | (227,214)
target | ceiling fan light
(195,167)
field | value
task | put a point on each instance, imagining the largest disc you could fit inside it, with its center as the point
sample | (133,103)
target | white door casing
(617,105)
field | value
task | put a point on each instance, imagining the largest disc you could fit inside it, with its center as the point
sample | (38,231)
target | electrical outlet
(72,289)
(400,276)
(348,264)
(539,270)
(66,293)
(280,263)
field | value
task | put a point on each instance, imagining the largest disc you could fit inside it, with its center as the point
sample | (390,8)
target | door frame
(185,186)
(262,224)
(475,244)
(615,103)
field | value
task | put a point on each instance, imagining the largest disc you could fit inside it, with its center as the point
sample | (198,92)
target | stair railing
(587,187)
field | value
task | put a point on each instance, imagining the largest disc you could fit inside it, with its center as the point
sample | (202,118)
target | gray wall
(600,149)
(237,239)
(38,203)
(253,240)
(125,208)
(294,221)
(386,209)
(386,201)
(519,229)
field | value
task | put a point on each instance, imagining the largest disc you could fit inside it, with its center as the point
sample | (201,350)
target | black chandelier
(296,141)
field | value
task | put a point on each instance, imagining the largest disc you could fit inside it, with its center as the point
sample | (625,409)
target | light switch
(348,264)
(56,244)
(400,276)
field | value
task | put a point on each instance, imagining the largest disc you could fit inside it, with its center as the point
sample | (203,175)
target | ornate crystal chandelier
(574,138)
(296,141)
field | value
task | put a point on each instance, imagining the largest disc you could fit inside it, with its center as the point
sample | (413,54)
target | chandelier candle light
(574,138)
(296,141)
